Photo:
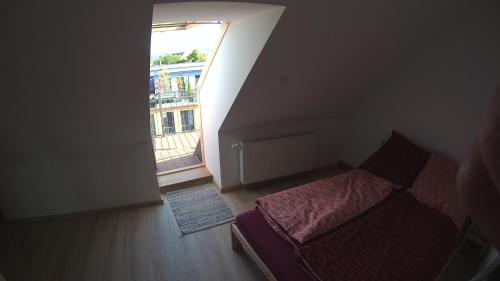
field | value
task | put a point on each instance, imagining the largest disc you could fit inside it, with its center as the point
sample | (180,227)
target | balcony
(177,151)
(175,130)
(171,100)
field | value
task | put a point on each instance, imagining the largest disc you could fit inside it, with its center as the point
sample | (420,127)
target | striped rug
(198,208)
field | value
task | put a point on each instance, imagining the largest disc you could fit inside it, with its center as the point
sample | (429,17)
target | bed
(366,224)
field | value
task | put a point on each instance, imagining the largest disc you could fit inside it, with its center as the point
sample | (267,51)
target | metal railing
(168,130)
(172,99)
(188,127)
(175,146)
(167,102)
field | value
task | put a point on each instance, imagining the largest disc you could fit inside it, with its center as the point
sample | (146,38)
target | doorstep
(183,179)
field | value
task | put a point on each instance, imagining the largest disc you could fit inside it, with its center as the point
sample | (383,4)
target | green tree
(169,59)
(196,56)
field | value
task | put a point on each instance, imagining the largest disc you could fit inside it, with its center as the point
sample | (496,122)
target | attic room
(342,140)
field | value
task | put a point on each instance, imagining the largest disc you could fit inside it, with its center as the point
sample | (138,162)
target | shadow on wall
(197,151)
(437,101)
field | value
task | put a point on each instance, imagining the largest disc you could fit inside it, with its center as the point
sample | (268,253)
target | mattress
(401,240)
(278,255)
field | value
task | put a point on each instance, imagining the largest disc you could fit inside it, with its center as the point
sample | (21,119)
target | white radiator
(274,158)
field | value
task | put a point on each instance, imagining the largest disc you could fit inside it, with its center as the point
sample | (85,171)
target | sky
(201,37)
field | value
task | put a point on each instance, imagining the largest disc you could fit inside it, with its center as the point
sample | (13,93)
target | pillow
(436,187)
(397,160)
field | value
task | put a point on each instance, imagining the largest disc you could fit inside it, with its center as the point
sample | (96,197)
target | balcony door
(168,123)
(187,120)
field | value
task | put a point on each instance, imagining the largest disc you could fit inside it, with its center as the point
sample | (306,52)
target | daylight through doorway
(179,54)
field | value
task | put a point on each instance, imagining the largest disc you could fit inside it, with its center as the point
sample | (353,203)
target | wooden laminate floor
(140,244)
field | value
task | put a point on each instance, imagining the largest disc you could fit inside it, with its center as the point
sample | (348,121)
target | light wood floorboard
(141,244)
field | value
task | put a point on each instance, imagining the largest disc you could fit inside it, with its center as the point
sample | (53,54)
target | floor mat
(198,208)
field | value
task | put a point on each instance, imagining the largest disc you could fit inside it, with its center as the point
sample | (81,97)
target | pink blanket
(400,240)
(310,210)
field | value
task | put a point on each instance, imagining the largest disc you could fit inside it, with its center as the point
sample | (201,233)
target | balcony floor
(176,151)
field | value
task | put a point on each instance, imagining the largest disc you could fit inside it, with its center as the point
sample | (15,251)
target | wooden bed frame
(239,242)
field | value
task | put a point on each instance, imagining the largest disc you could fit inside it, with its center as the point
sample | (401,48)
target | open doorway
(180,57)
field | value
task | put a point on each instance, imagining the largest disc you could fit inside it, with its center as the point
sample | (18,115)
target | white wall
(304,72)
(326,56)
(74,118)
(75,133)
(325,131)
(318,64)
(438,101)
(250,25)
(242,43)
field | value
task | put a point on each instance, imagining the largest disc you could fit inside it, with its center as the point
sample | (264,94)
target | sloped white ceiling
(325,57)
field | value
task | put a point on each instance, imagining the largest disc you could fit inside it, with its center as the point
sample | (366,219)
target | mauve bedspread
(278,255)
(401,240)
(312,209)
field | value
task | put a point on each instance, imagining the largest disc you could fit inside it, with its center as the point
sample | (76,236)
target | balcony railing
(172,99)
(176,136)
(169,130)
(187,128)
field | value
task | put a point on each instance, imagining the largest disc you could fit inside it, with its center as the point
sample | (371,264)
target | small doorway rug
(198,208)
